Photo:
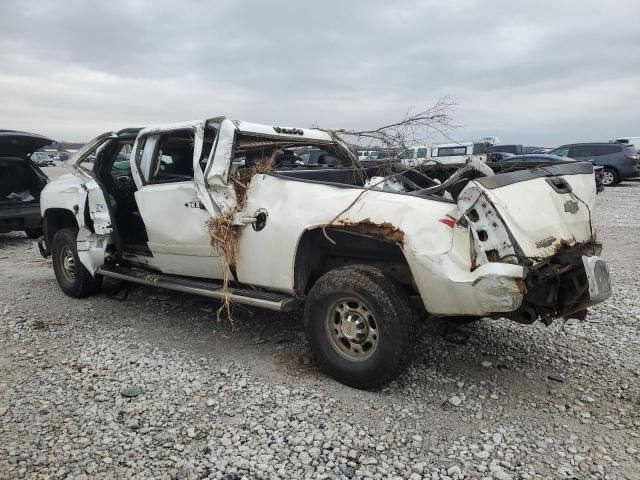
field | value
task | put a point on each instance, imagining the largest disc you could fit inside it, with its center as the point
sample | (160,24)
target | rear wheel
(610,177)
(360,326)
(74,279)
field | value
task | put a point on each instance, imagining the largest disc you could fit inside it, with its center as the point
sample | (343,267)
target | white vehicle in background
(490,140)
(629,140)
(364,154)
(458,153)
(415,155)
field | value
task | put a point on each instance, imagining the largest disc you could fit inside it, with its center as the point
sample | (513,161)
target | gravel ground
(489,400)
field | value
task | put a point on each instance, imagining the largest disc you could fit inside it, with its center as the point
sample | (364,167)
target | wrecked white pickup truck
(364,250)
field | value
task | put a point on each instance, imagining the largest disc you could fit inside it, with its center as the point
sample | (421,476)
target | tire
(361,326)
(74,279)
(610,177)
(34,232)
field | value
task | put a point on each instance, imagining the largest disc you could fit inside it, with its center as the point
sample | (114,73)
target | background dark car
(535,157)
(514,149)
(541,159)
(620,161)
(21,182)
(498,156)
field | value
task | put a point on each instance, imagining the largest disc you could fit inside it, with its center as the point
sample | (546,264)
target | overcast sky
(540,73)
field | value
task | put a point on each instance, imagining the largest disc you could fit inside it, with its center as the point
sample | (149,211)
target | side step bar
(278,302)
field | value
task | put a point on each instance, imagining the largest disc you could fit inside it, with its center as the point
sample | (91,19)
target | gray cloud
(540,72)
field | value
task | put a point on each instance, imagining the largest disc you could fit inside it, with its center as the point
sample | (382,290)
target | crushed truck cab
(243,213)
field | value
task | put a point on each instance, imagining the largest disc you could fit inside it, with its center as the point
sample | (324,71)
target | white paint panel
(266,258)
(177,229)
(260,129)
(98,209)
(533,211)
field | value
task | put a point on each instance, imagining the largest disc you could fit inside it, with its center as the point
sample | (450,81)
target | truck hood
(21,144)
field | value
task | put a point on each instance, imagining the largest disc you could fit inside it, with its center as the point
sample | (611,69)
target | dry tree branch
(398,135)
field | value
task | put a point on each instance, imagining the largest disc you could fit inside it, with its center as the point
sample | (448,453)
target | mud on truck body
(366,252)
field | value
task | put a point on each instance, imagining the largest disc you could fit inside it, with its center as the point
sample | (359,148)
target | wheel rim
(68,263)
(608,177)
(352,329)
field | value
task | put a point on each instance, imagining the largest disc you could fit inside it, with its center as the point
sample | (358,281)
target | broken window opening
(173,158)
(285,155)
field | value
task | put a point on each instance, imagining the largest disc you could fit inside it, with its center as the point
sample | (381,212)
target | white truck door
(92,239)
(169,176)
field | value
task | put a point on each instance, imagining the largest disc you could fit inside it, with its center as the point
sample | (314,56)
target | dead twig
(411,128)
(396,135)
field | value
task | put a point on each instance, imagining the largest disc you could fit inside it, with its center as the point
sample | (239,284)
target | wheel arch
(321,250)
(615,169)
(55,219)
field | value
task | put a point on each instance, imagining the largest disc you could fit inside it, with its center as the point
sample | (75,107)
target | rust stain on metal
(563,244)
(385,230)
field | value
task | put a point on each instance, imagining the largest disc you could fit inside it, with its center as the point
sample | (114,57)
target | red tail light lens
(449,221)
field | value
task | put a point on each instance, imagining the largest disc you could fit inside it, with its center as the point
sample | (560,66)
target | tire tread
(85,283)
(368,279)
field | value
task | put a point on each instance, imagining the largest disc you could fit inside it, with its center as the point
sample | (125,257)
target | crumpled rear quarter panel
(266,258)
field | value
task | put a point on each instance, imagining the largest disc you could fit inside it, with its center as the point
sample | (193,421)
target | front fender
(85,201)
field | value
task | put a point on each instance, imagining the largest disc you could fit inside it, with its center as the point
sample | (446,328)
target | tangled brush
(224,235)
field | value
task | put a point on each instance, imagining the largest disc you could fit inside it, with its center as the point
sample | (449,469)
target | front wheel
(610,177)
(361,326)
(74,279)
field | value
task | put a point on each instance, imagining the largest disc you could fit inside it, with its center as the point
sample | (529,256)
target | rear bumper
(449,288)
(19,217)
(597,273)
(563,286)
